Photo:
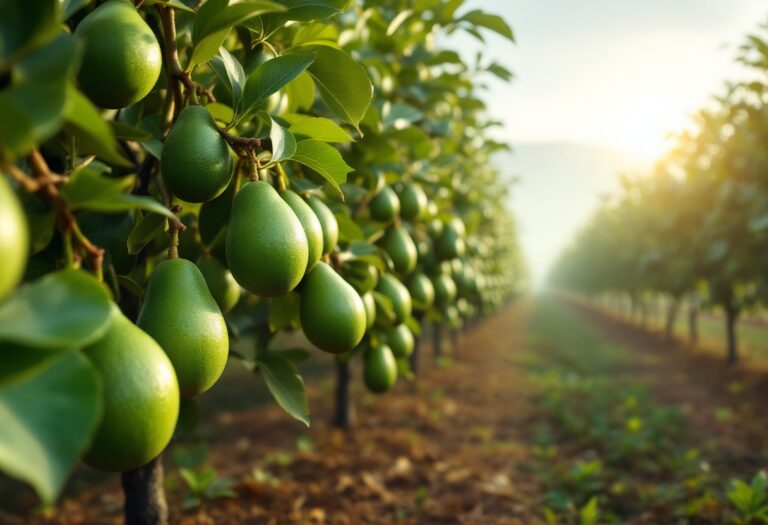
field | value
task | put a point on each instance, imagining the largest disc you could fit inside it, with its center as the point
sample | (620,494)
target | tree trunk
(693,325)
(145,495)
(669,328)
(437,340)
(414,359)
(731,315)
(455,340)
(344,411)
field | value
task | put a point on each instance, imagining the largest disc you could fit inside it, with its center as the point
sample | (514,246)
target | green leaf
(500,71)
(325,160)
(272,75)
(211,28)
(145,230)
(19,362)
(84,121)
(297,10)
(125,202)
(229,69)
(61,310)
(33,107)
(399,115)
(396,22)
(589,513)
(493,22)
(320,129)
(283,311)
(285,384)
(349,231)
(385,310)
(70,7)
(26,25)
(294,355)
(300,92)
(283,142)
(48,420)
(89,184)
(342,82)
(176,4)
(88,189)
(123,131)
(154,147)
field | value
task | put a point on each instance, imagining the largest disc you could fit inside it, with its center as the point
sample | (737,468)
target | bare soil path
(449,449)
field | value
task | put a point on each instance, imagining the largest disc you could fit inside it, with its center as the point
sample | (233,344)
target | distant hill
(560,184)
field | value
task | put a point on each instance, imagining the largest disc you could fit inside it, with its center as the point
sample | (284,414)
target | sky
(615,77)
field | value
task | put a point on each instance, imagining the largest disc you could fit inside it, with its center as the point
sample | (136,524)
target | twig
(67,223)
(246,143)
(173,65)
(82,164)
(173,230)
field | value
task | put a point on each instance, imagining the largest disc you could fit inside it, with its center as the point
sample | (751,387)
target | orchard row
(695,229)
(183,183)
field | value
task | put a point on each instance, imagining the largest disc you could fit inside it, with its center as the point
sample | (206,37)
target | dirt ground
(451,448)
(727,405)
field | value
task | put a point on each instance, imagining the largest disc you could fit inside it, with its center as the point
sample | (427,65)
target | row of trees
(182,182)
(695,229)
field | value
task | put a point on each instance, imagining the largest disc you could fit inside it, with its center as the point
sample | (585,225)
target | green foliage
(286,96)
(606,451)
(40,445)
(695,225)
(204,485)
(750,500)
(285,384)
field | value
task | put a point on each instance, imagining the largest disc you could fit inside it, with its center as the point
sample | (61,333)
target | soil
(725,405)
(447,449)
(450,448)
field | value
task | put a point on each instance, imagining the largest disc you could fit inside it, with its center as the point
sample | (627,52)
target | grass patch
(605,451)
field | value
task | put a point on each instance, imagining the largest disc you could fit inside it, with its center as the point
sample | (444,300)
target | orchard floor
(459,446)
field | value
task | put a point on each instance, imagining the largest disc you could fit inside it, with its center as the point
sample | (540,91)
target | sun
(645,131)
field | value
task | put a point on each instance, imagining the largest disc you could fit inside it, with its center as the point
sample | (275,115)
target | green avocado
(332,314)
(267,249)
(141,397)
(221,284)
(195,163)
(422,292)
(328,223)
(379,369)
(445,290)
(390,287)
(413,202)
(122,59)
(182,315)
(400,247)
(450,243)
(385,206)
(14,239)
(400,340)
(312,227)
(370,309)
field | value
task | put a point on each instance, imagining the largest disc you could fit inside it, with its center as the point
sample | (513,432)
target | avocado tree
(697,225)
(176,191)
